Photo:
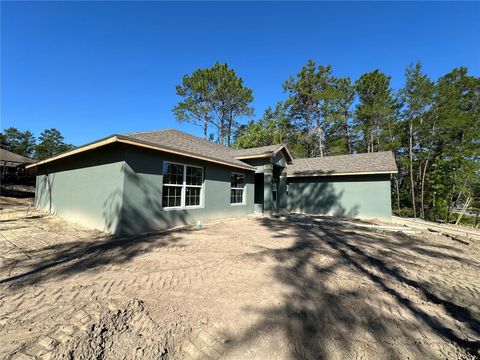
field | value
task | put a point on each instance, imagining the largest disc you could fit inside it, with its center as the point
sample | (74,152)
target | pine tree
(215,96)
(375,112)
(417,96)
(18,142)
(51,142)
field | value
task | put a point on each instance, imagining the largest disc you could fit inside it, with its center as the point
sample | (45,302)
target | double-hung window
(237,189)
(182,185)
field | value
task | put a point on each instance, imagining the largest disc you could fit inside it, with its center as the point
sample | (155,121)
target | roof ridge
(183,133)
(277,145)
(149,131)
(256,147)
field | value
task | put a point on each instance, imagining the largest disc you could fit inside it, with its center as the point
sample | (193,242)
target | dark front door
(258,196)
(274,195)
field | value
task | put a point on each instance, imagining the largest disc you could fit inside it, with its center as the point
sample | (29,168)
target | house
(155,180)
(12,167)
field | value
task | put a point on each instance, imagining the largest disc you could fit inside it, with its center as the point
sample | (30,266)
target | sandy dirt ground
(252,288)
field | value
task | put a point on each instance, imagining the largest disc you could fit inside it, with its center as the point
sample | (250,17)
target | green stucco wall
(142,202)
(118,189)
(362,196)
(85,189)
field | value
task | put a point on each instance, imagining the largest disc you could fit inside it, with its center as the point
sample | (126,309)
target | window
(237,188)
(193,183)
(182,186)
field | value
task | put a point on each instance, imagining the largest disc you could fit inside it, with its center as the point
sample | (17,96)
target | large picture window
(182,185)
(237,188)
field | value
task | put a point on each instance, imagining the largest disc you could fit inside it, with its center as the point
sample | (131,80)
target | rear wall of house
(85,188)
(142,204)
(118,189)
(362,196)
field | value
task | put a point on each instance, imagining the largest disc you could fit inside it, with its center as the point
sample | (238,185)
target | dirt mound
(128,333)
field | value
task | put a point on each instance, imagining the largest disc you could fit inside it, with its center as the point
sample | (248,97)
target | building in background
(12,168)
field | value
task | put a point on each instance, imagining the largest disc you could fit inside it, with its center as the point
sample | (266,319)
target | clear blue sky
(91,69)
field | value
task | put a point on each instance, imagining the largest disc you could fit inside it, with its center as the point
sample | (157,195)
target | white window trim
(184,188)
(244,202)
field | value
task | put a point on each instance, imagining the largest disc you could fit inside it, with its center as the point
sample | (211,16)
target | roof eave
(94,145)
(257,156)
(268,154)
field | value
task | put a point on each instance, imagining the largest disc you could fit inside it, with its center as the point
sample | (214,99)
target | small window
(172,196)
(182,185)
(237,188)
(172,174)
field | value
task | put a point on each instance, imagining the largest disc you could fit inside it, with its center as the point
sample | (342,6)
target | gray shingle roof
(12,159)
(189,144)
(378,162)
(262,150)
(181,143)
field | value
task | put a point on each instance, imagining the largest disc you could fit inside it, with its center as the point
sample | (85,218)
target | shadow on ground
(70,258)
(17,192)
(318,314)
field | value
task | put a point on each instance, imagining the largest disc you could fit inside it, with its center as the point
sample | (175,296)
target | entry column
(267,189)
(282,192)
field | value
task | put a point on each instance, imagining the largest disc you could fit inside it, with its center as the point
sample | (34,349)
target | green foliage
(433,127)
(51,143)
(339,133)
(311,104)
(376,113)
(214,97)
(274,127)
(197,107)
(18,142)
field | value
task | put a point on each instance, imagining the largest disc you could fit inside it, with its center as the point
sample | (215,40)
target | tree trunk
(410,155)
(422,194)
(398,195)
(205,129)
(449,205)
(370,148)
(229,132)
(222,131)
(307,130)
(347,130)
(230,120)
(320,141)
(390,133)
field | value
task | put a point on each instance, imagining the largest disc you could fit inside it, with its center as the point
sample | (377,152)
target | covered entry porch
(271,190)
(270,177)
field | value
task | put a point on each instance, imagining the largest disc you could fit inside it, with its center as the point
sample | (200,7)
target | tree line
(49,143)
(432,126)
